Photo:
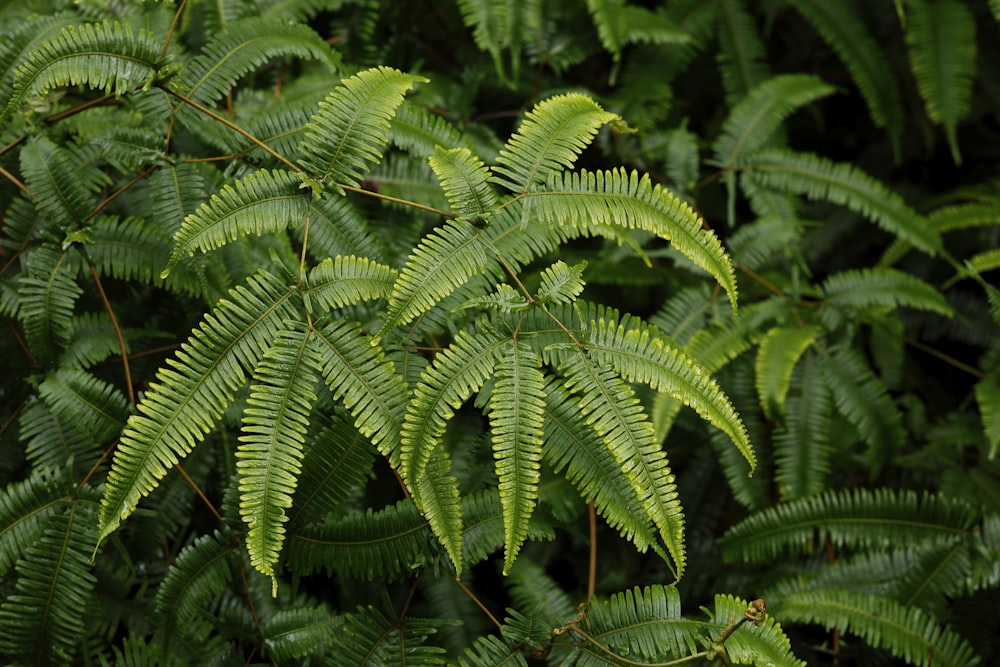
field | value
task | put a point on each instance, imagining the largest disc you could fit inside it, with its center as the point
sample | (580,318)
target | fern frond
(631,201)
(200,573)
(549,139)
(561,283)
(751,644)
(492,651)
(443,260)
(988,399)
(483,526)
(21,39)
(98,409)
(619,24)
(337,227)
(517,413)
(907,632)
(844,184)
(610,407)
(269,456)
(465,181)
(416,129)
(346,135)
(107,56)
(753,121)
(48,292)
(864,400)
(369,637)
(25,510)
(883,288)
(754,244)
(54,182)
(342,281)
(244,46)
(780,350)
(879,519)
(264,201)
(193,390)
(841,28)
(941,37)
(437,495)
(41,620)
(298,631)
(640,353)
(802,441)
(741,55)
(51,442)
(538,594)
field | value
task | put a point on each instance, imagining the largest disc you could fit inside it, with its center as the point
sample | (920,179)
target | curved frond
(843,184)
(25,508)
(561,283)
(264,201)
(741,55)
(342,281)
(421,132)
(269,456)
(905,631)
(517,413)
(883,287)
(465,181)
(753,121)
(443,260)
(54,181)
(802,441)
(941,37)
(337,227)
(549,139)
(631,201)
(98,409)
(20,41)
(108,56)
(619,24)
(244,46)
(610,407)
(201,571)
(779,352)
(193,390)
(846,33)
(346,135)
(295,632)
(368,637)
(492,651)
(764,645)
(48,292)
(859,518)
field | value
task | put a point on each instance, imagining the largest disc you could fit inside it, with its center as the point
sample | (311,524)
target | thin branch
(197,489)
(592,571)
(118,334)
(478,602)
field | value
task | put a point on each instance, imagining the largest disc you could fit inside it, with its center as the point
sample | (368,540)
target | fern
(780,350)
(741,52)
(464,180)
(619,24)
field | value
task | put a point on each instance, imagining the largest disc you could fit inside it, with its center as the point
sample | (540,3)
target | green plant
(314,358)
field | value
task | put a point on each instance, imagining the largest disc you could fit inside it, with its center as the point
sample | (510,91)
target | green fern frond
(753,121)
(631,201)
(841,28)
(107,56)
(741,52)
(369,637)
(244,46)
(941,37)
(549,139)
(200,573)
(25,510)
(883,288)
(177,191)
(865,402)
(610,407)
(264,201)
(419,131)
(337,227)
(95,407)
(536,593)
(490,21)
(843,184)
(41,620)
(360,376)
(51,442)
(269,456)
(779,352)
(619,24)
(755,244)
(907,632)
(517,413)
(561,283)
(346,135)
(465,181)
(880,519)
(443,260)
(988,399)
(54,182)
(298,631)
(342,281)
(764,645)
(483,526)
(640,353)
(21,39)
(492,651)
(193,390)
(48,292)
(802,441)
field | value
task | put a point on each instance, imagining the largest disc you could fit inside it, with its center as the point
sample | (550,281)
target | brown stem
(592,571)
(478,602)
(118,334)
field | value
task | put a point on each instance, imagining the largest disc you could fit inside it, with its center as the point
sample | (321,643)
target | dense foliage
(475,332)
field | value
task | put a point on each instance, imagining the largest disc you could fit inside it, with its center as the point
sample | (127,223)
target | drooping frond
(341,281)
(842,28)
(856,518)
(369,637)
(41,619)
(517,413)
(20,41)
(883,287)
(199,574)
(358,374)
(777,355)
(346,135)
(641,353)
(628,200)
(802,441)
(269,456)
(502,25)
(549,139)
(753,121)
(54,181)
(843,184)
(48,294)
(750,644)
(905,631)
(988,399)
(865,402)
(465,181)
(193,390)
(108,56)
(941,37)
(741,51)
(610,407)
(619,24)
(295,632)
(443,260)
(244,46)
(264,201)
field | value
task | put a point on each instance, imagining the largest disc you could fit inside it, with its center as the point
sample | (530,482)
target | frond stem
(478,602)
(117,193)
(118,334)
(173,28)
(397,200)
(605,650)
(201,494)
(592,571)
(951,361)
(13,179)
